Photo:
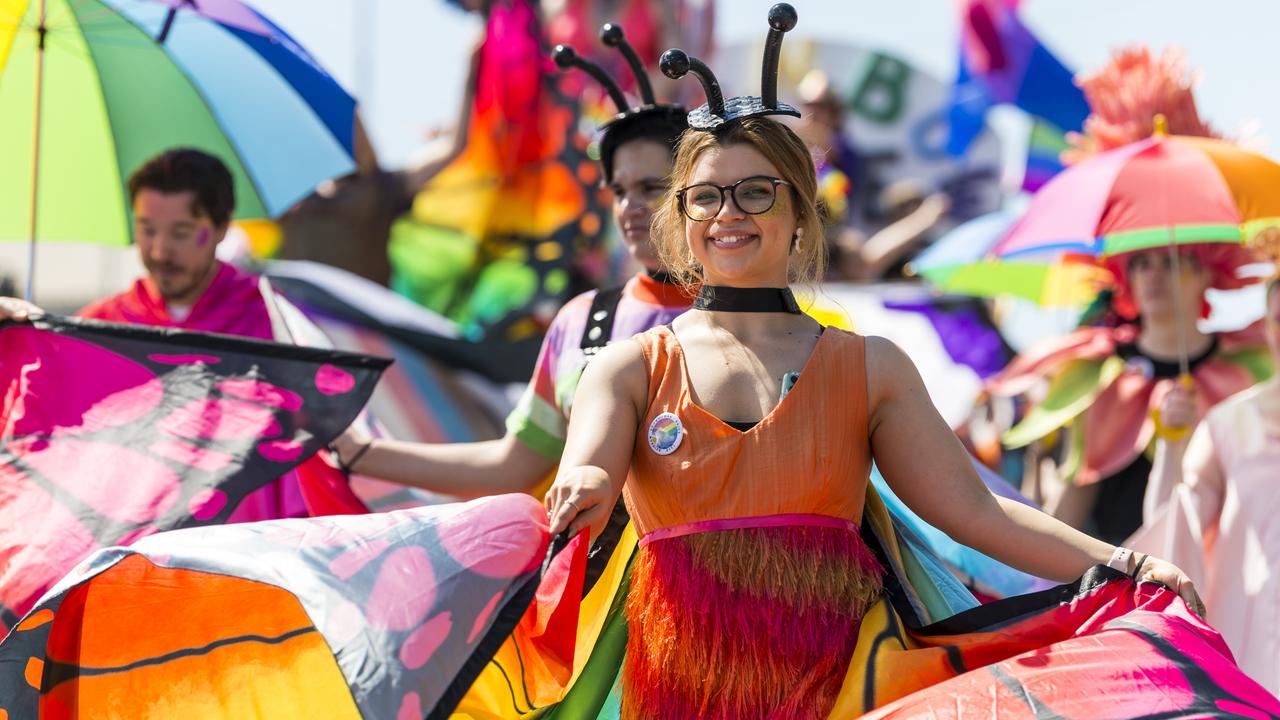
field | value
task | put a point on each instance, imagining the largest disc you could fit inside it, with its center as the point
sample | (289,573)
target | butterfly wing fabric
(384,615)
(442,388)
(114,432)
(1101,647)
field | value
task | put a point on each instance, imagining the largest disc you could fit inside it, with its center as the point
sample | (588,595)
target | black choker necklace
(661,276)
(722,298)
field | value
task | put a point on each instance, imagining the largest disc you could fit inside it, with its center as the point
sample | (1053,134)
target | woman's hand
(1167,574)
(1178,408)
(15,309)
(580,498)
(350,442)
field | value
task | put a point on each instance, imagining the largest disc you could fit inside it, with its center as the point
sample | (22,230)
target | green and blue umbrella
(962,262)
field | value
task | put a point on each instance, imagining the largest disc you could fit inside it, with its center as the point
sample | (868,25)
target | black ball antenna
(611,35)
(675,64)
(566,58)
(782,19)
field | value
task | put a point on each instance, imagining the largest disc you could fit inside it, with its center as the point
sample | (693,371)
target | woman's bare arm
(465,470)
(601,438)
(928,468)
(1202,473)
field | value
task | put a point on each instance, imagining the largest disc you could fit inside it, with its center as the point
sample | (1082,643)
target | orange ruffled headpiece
(1128,93)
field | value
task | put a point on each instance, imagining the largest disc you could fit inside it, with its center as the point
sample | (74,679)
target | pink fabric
(1068,209)
(1117,427)
(232,305)
(1118,424)
(1152,191)
(753,623)
(1046,358)
(767,521)
(326,490)
(1219,379)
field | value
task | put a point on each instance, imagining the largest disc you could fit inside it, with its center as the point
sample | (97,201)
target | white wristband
(1120,559)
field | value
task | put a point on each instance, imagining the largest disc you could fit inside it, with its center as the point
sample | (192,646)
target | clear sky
(405,59)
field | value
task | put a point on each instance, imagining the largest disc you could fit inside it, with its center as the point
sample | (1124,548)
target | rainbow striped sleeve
(538,420)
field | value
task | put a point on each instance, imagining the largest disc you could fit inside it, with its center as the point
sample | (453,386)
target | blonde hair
(785,151)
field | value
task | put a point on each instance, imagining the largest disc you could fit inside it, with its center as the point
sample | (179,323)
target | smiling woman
(741,436)
(788,229)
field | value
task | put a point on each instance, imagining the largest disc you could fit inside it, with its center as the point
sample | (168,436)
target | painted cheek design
(202,238)
(781,205)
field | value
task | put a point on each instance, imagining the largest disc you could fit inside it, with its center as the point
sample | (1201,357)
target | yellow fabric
(11,12)
(491,697)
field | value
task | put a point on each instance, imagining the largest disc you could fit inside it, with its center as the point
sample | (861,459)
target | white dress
(1222,527)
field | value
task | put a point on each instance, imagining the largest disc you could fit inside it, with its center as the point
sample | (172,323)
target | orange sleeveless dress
(751,580)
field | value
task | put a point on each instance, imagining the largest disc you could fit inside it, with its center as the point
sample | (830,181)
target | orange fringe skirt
(745,623)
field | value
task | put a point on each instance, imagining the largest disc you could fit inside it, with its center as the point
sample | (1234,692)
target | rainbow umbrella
(1162,192)
(89,89)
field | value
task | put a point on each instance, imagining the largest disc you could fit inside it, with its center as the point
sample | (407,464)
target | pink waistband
(761,521)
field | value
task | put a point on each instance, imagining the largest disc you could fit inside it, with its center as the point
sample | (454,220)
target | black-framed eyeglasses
(752,195)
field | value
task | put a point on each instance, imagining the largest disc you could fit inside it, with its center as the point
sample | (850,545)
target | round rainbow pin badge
(665,433)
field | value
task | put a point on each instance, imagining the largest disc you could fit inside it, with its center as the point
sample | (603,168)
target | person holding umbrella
(1165,217)
(1108,382)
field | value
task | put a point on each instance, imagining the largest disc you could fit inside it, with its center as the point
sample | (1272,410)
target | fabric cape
(114,432)
(445,612)
(235,303)
(451,611)
(928,649)
(364,616)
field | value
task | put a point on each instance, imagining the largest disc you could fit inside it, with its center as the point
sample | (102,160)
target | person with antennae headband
(636,147)
(755,591)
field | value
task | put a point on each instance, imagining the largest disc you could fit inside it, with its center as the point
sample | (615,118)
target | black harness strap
(604,308)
